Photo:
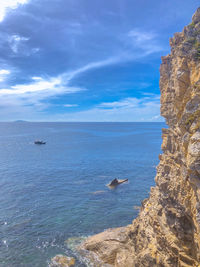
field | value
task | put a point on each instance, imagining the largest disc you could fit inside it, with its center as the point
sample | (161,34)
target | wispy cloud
(146,41)
(93,65)
(70,105)
(132,102)
(127,109)
(15,41)
(140,36)
(129,102)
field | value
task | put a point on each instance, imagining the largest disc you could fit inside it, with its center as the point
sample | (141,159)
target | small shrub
(192,25)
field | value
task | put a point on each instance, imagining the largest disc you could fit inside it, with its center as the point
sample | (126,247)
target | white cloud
(70,105)
(5,5)
(36,78)
(38,85)
(156,117)
(39,89)
(3,74)
(31,96)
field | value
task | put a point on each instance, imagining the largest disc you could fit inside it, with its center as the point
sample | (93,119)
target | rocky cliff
(167,230)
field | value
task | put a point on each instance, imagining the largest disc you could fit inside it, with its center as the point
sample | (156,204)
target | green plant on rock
(197,48)
(192,24)
(197,126)
(196,87)
(191,40)
(189,120)
(192,117)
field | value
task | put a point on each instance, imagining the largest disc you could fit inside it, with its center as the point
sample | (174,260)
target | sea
(53,196)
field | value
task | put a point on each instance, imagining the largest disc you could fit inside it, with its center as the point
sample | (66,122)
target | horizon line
(24,121)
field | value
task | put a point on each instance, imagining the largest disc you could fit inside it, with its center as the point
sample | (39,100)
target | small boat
(116,182)
(39,142)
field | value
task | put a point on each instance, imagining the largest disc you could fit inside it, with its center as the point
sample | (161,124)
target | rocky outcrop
(167,230)
(62,261)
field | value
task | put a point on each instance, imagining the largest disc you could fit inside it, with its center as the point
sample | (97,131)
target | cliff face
(167,230)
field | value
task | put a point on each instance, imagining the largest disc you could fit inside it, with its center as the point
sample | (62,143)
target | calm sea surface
(57,192)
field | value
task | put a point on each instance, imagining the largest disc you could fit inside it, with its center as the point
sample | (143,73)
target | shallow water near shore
(56,192)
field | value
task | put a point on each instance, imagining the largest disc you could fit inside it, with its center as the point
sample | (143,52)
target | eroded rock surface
(62,261)
(167,230)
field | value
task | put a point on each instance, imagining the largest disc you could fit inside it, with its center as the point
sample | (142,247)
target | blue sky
(85,60)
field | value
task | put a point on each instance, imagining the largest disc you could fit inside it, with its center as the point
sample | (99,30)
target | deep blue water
(47,192)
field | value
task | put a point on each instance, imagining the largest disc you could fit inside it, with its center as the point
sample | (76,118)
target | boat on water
(116,182)
(39,142)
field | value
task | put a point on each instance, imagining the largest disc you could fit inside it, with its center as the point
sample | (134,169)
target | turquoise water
(48,193)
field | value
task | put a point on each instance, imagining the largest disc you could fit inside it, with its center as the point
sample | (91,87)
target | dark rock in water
(116,182)
(39,142)
(62,261)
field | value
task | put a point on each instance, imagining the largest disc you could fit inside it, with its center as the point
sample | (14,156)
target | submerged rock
(62,261)
(98,192)
(74,242)
(136,207)
(167,231)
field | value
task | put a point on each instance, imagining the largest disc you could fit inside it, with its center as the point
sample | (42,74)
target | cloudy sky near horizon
(85,60)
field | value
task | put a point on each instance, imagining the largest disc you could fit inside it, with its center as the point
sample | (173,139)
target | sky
(85,60)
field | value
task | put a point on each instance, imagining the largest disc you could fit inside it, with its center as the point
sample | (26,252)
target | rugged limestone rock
(62,261)
(167,230)
(105,246)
